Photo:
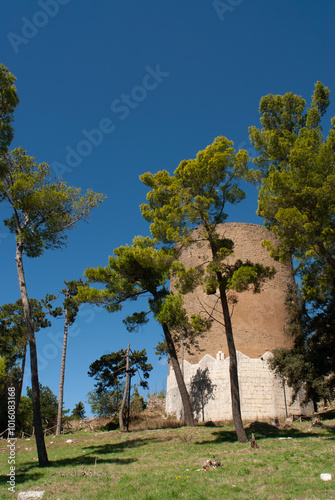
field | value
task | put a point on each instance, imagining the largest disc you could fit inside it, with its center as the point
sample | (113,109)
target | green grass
(162,464)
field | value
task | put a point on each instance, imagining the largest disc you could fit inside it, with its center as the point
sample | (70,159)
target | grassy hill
(164,463)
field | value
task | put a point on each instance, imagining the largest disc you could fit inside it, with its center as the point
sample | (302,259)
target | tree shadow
(118,447)
(87,459)
(201,391)
(20,477)
(263,430)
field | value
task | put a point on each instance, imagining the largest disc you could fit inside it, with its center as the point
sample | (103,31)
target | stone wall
(258,322)
(262,395)
(155,405)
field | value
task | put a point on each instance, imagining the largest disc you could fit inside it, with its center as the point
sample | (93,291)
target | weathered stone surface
(155,406)
(262,395)
(30,495)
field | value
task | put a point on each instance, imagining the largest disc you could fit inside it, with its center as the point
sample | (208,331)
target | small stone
(30,495)
(326,477)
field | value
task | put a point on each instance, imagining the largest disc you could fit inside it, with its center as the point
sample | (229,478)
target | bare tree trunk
(37,422)
(124,399)
(62,374)
(128,406)
(185,399)
(233,373)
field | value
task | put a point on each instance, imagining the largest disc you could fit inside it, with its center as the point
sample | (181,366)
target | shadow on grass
(117,447)
(20,477)
(31,472)
(262,430)
(28,471)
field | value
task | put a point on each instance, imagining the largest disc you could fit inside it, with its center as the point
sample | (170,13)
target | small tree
(106,402)
(13,344)
(79,411)
(49,405)
(25,415)
(110,369)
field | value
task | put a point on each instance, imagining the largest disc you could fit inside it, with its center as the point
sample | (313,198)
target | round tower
(258,322)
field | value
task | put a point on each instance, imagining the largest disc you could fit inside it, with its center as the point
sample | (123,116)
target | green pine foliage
(78,412)
(106,402)
(110,370)
(8,102)
(297,202)
(49,407)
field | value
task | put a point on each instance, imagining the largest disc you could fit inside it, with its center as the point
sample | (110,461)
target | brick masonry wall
(258,319)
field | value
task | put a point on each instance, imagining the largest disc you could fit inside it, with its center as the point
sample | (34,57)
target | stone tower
(258,322)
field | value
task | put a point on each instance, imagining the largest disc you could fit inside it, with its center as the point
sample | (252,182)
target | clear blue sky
(161,80)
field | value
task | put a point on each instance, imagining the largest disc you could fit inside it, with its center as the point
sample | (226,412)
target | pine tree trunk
(128,405)
(188,413)
(124,399)
(233,373)
(185,399)
(37,421)
(62,375)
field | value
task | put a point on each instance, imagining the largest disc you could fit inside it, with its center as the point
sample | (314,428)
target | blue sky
(110,90)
